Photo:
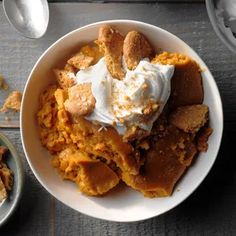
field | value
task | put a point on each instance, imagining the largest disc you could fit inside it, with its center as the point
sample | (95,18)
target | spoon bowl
(222,14)
(30,18)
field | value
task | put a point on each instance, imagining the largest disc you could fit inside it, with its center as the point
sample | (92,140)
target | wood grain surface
(211,210)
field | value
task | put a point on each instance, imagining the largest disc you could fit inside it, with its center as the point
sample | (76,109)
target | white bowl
(124,204)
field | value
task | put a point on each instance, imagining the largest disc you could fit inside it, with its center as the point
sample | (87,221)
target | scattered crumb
(13,102)
(3,84)
(7,118)
(203,69)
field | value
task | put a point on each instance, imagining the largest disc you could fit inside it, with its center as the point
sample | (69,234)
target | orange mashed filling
(97,158)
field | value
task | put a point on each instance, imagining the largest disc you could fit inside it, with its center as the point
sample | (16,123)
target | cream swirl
(121,103)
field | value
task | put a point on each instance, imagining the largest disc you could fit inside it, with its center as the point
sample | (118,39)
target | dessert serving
(120,111)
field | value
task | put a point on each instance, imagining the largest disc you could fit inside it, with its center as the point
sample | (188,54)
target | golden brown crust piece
(13,102)
(111,42)
(64,78)
(81,101)
(202,139)
(80,61)
(136,47)
(189,118)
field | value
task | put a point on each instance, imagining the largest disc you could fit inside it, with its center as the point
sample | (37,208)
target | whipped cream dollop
(122,103)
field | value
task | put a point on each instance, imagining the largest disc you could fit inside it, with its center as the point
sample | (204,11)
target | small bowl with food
(121,120)
(11,179)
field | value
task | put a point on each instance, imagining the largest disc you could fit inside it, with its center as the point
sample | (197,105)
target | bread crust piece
(64,78)
(13,102)
(80,61)
(110,41)
(136,47)
(81,101)
(189,118)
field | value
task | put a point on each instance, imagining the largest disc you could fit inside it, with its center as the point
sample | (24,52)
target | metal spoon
(222,14)
(29,17)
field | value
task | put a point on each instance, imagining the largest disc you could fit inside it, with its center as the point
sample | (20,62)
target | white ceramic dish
(123,205)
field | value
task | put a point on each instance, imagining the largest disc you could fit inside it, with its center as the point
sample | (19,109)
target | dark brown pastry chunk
(165,163)
(186,83)
(189,118)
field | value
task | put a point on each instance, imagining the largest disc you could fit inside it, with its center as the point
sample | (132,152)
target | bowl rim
(20,176)
(151,27)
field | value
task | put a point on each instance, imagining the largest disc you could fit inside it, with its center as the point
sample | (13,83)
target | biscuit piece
(202,139)
(186,83)
(92,51)
(189,118)
(81,101)
(111,42)
(80,61)
(13,102)
(64,78)
(136,47)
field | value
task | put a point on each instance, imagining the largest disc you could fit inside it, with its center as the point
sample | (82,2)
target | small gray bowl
(14,161)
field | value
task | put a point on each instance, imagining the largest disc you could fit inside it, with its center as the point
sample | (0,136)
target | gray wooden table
(211,210)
